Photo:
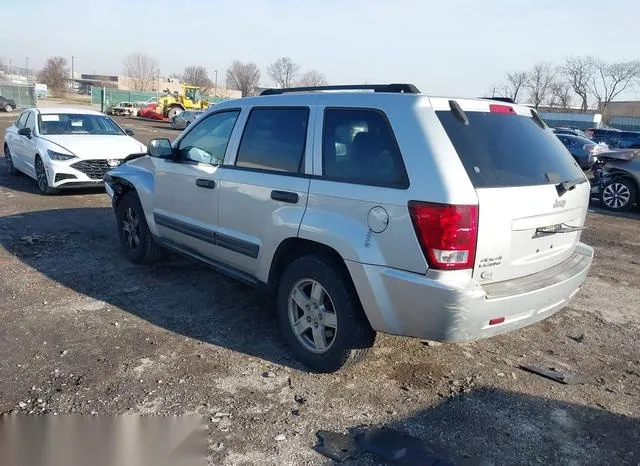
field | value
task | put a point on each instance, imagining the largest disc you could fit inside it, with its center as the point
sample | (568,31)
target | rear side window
(274,139)
(359,147)
(501,150)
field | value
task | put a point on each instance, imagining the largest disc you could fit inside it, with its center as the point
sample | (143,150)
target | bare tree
(538,82)
(514,84)
(243,77)
(312,78)
(55,74)
(283,71)
(560,94)
(142,70)
(579,72)
(610,80)
(197,76)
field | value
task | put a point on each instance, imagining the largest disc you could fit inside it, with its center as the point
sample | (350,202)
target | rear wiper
(553,229)
(568,185)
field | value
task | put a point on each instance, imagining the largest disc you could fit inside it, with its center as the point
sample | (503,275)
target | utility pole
(11,70)
(73,59)
(215,85)
(26,73)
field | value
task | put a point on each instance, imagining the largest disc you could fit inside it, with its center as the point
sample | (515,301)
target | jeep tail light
(447,233)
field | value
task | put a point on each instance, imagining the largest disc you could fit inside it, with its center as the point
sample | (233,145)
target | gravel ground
(84,331)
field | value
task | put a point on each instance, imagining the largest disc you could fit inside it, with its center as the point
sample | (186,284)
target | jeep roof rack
(396,88)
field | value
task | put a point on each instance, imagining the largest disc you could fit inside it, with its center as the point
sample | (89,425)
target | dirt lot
(84,331)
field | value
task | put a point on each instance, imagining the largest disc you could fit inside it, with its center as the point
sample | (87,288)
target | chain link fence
(24,95)
(114,96)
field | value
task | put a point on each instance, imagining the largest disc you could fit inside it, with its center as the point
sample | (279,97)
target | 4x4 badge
(559,203)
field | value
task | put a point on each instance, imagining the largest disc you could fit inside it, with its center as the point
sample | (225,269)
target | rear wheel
(135,237)
(618,195)
(10,167)
(8,108)
(320,315)
(41,178)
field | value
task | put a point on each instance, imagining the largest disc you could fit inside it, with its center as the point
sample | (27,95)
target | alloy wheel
(616,195)
(131,228)
(41,175)
(7,158)
(312,316)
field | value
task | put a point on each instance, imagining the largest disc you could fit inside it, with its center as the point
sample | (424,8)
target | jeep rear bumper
(433,308)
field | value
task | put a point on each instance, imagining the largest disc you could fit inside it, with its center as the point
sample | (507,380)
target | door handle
(284,196)
(204,183)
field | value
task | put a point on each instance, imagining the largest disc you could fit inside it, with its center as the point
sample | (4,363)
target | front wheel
(135,237)
(618,195)
(10,167)
(8,108)
(43,181)
(320,315)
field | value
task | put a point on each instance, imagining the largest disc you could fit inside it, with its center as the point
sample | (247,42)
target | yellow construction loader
(170,104)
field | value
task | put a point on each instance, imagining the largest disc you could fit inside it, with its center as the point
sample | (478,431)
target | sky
(444,47)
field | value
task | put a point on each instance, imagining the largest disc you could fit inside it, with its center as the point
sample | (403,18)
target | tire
(135,237)
(342,328)
(42,180)
(618,195)
(8,108)
(10,167)
(173,111)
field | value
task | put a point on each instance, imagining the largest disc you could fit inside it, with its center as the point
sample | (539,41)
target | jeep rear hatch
(532,195)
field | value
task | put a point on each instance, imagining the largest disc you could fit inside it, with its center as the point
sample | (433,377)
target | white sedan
(66,148)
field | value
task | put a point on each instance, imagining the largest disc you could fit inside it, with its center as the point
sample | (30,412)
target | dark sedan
(7,104)
(584,150)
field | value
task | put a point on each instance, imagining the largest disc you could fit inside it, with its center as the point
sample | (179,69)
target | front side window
(22,119)
(274,139)
(31,122)
(72,123)
(207,142)
(359,147)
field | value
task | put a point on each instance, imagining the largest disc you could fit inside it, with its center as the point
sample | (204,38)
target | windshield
(500,150)
(72,123)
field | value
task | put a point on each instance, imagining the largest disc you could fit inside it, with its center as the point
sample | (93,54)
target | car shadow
(489,426)
(78,248)
(596,208)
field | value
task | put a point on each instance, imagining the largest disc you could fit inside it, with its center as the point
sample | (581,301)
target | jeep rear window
(503,150)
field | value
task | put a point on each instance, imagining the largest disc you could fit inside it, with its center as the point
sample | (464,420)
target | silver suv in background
(383,211)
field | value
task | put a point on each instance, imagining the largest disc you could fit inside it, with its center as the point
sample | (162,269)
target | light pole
(26,73)
(215,85)
(73,63)
(11,70)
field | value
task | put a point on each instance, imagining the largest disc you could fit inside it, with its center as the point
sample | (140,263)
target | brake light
(495,108)
(447,233)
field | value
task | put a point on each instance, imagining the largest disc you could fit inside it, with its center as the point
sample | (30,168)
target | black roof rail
(396,88)
(500,99)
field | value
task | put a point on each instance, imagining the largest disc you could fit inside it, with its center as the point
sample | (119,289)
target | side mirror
(25,132)
(160,148)
(130,132)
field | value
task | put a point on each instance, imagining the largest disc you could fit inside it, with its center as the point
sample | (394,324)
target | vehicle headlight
(59,156)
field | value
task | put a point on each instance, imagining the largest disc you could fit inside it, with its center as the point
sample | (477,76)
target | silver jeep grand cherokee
(384,211)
